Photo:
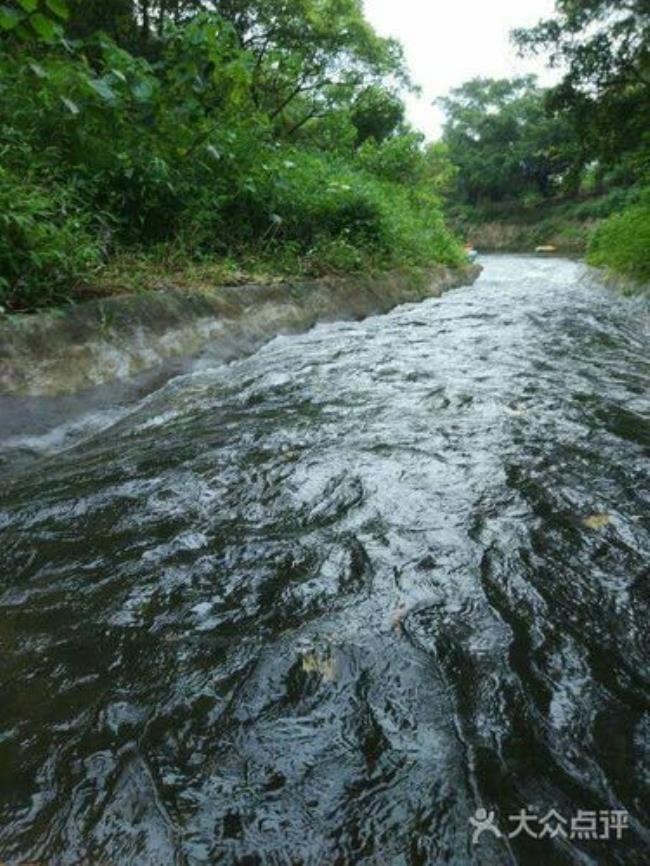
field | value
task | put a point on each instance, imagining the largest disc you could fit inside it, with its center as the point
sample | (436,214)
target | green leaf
(38,70)
(102,89)
(22,31)
(72,107)
(29,5)
(59,7)
(142,91)
(44,26)
(9,18)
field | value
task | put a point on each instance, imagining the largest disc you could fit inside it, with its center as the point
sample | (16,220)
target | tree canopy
(510,138)
(502,140)
(604,48)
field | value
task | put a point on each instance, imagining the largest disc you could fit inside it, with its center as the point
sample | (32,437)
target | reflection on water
(322,604)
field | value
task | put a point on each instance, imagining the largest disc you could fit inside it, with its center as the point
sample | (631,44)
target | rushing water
(320,605)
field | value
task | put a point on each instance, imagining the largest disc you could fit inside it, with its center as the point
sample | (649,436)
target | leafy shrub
(399,159)
(604,206)
(47,243)
(315,196)
(334,255)
(622,243)
(323,206)
(103,152)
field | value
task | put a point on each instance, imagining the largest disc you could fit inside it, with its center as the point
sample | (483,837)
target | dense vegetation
(556,162)
(239,133)
(149,141)
(622,243)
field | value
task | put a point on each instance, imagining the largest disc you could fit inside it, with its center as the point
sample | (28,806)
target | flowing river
(325,604)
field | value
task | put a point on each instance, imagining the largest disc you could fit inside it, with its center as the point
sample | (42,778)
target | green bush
(622,243)
(104,152)
(604,206)
(316,205)
(399,159)
(314,196)
(47,243)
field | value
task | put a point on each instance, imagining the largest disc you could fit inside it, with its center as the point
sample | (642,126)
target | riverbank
(82,346)
(616,249)
(617,282)
(570,239)
(611,232)
(512,227)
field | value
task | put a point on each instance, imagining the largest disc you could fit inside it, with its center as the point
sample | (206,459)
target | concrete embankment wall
(86,345)
(570,238)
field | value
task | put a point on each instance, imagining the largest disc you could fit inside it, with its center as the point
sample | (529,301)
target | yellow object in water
(596,521)
(322,664)
(546,249)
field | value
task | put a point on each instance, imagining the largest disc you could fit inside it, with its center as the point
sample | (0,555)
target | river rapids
(345,601)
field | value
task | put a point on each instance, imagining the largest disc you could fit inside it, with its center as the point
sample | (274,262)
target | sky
(448,42)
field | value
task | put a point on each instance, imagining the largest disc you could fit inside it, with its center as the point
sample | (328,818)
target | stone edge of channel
(82,346)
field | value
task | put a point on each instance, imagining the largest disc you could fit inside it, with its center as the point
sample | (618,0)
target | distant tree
(503,142)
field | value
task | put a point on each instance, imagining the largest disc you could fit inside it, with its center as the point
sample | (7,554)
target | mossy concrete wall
(80,347)
(571,238)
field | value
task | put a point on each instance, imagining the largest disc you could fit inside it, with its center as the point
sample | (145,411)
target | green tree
(605,47)
(308,57)
(376,114)
(503,142)
(116,18)
(236,129)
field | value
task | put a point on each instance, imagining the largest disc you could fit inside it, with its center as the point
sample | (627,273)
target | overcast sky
(449,41)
